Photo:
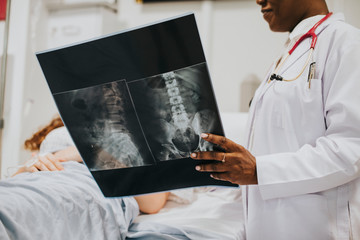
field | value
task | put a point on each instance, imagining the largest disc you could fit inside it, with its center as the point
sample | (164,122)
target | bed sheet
(61,205)
(209,215)
(216,214)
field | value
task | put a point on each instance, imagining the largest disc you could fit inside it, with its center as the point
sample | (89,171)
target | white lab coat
(307,144)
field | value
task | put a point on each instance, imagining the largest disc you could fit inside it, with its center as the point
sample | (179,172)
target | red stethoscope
(311,34)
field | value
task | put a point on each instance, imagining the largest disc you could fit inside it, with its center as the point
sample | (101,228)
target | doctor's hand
(236,165)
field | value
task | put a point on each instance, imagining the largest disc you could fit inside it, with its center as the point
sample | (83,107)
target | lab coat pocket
(304,217)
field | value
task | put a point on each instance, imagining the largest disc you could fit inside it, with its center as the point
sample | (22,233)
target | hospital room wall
(235,37)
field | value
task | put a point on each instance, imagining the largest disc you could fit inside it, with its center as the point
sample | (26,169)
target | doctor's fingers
(212,167)
(240,168)
(225,161)
(211,155)
(223,142)
(226,176)
(234,178)
(233,174)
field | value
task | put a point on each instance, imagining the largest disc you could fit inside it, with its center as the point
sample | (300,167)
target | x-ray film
(135,103)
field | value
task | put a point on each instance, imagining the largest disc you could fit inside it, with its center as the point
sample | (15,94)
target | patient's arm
(68,154)
(152,203)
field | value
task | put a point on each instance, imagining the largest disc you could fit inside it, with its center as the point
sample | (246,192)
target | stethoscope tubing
(311,33)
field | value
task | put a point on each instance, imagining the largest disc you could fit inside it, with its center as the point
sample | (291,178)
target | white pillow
(56,140)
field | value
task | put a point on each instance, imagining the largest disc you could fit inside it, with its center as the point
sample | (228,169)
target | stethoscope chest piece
(276,77)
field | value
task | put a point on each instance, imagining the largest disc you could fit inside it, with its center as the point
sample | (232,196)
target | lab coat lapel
(258,94)
(299,52)
(264,86)
(302,49)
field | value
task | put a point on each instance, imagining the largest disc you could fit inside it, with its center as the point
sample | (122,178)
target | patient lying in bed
(53,196)
(62,201)
(55,146)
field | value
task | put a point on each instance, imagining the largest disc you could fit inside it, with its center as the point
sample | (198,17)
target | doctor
(301,163)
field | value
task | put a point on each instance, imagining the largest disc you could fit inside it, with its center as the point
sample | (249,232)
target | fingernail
(204,135)
(193,155)
(198,168)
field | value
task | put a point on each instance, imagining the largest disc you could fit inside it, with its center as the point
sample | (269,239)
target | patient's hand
(48,162)
(51,161)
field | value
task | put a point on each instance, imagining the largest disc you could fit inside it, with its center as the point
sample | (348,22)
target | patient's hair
(33,143)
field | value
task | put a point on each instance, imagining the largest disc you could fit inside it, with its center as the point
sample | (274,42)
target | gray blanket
(61,205)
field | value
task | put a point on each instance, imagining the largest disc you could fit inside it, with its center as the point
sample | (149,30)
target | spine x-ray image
(160,118)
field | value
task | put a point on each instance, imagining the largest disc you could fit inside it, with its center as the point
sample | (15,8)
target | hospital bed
(69,205)
(211,213)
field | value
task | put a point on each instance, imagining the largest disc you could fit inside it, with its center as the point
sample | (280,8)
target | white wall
(16,73)
(350,8)
(240,48)
(237,44)
(2,28)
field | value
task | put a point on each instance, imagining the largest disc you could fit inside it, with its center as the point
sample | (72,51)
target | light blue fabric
(158,231)
(61,205)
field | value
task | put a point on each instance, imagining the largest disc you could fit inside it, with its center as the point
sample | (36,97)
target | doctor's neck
(310,8)
(283,16)
(316,9)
